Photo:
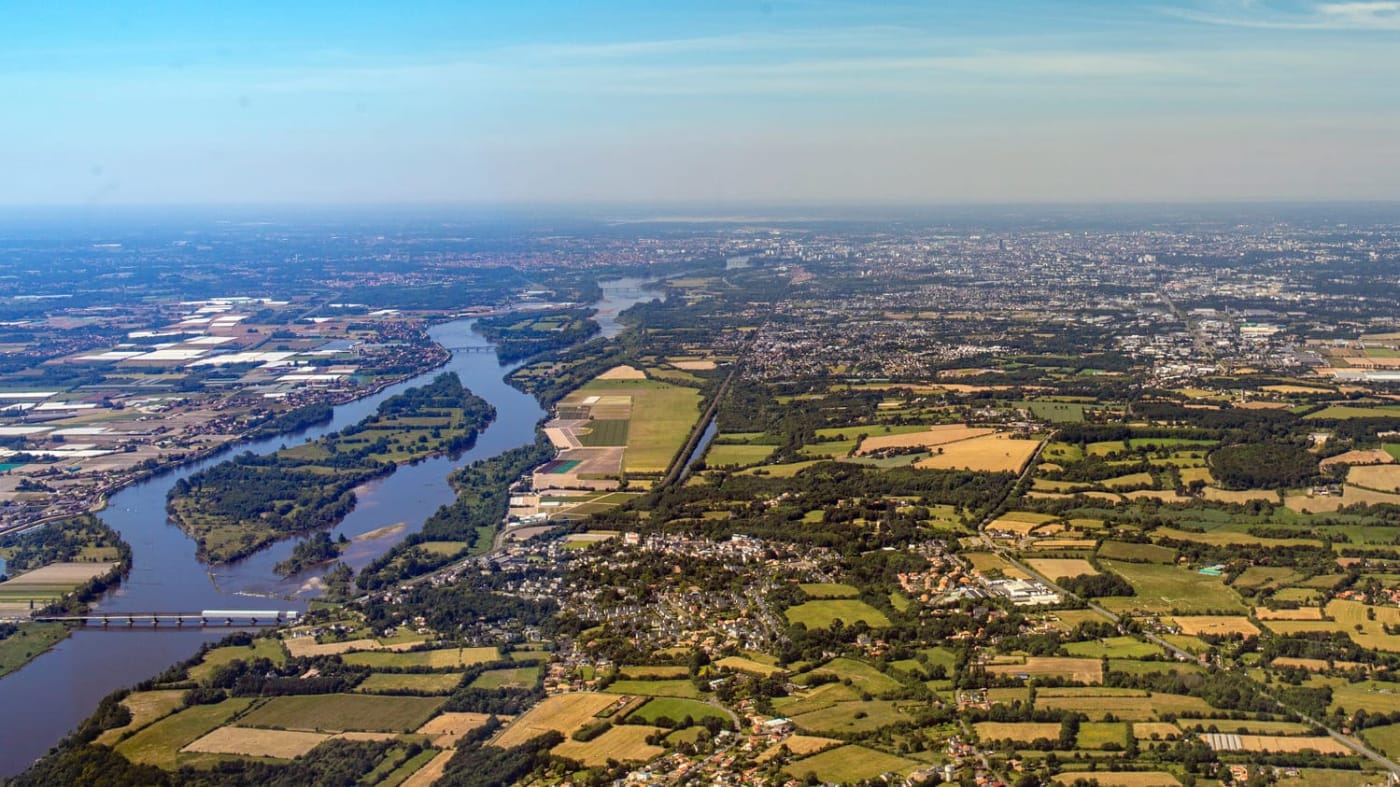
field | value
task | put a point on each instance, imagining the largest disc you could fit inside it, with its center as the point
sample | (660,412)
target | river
(49,696)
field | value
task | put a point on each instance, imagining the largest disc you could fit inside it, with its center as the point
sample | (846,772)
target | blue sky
(808,100)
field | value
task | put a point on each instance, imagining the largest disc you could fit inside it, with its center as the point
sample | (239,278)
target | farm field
(409,682)
(623,744)
(655,688)
(518,677)
(677,710)
(1114,648)
(445,729)
(851,717)
(1121,778)
(861,675)
(821,614)
(933,436)
(1219,625)
(444,658)
(145,707)
(1082,670)
(849,764)
(1168,589)
(1136,553)
(1059,568)
(1128,708)
(343,712)
(659,416)
(990,454)
(562,713)
(726,455)
(991,564)
(159,743)
(741,664)
(262,648)
(1019,732)
(1386,738)
(282,744)
(1097,734)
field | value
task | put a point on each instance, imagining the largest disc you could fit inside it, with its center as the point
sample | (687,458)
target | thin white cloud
(1360,15)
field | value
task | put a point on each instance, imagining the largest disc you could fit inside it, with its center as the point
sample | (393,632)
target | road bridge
(207,617)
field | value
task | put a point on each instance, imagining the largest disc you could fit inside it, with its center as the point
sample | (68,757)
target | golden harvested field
(625,743)
(741,664)
(1374,456)
(563,713)
(1295,389)
(1301,613)
(985,562)
(1351,495)
(1128,708)
(936,435)
(1290,744)
(1228,496)
(301,647)
(1012,526)
(808,744)
(1144,730)
(57,575)
(1057,568)
(445,729)
(1383,478)
(1350,618)
(1020,732)
(624,372)
(282,744)
(443,658)
(998,453)
(1121,778)
(1082,670)
(1220,625)
(694,366)
(1065,543)
(145,707)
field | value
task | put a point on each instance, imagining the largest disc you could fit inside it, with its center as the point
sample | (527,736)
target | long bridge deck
(208,617)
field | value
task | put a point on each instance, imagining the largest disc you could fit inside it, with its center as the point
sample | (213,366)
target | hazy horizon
(810,101)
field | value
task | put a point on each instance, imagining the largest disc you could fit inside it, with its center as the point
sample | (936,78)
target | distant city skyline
(824,101)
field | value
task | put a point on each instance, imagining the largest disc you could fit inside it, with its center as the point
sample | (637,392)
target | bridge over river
(207,617)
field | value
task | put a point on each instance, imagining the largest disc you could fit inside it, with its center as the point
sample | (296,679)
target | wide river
(49,696)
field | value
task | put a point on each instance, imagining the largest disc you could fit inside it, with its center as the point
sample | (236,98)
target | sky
(717,101)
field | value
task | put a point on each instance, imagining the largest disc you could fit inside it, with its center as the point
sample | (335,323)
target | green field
(605,432)
(1140,553)
(851,717)
(849,764)
(863,676)
(662,417)
(1114,648)
(409,682)
(343,713)
(725,455)
(1097,734)
(31,640)
(262,648)
(655,688)
(160,743)
(520,677)
(1055,412)
(1344,412)
(1385,738)
(1170,589)
(677,710)
(821,614)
